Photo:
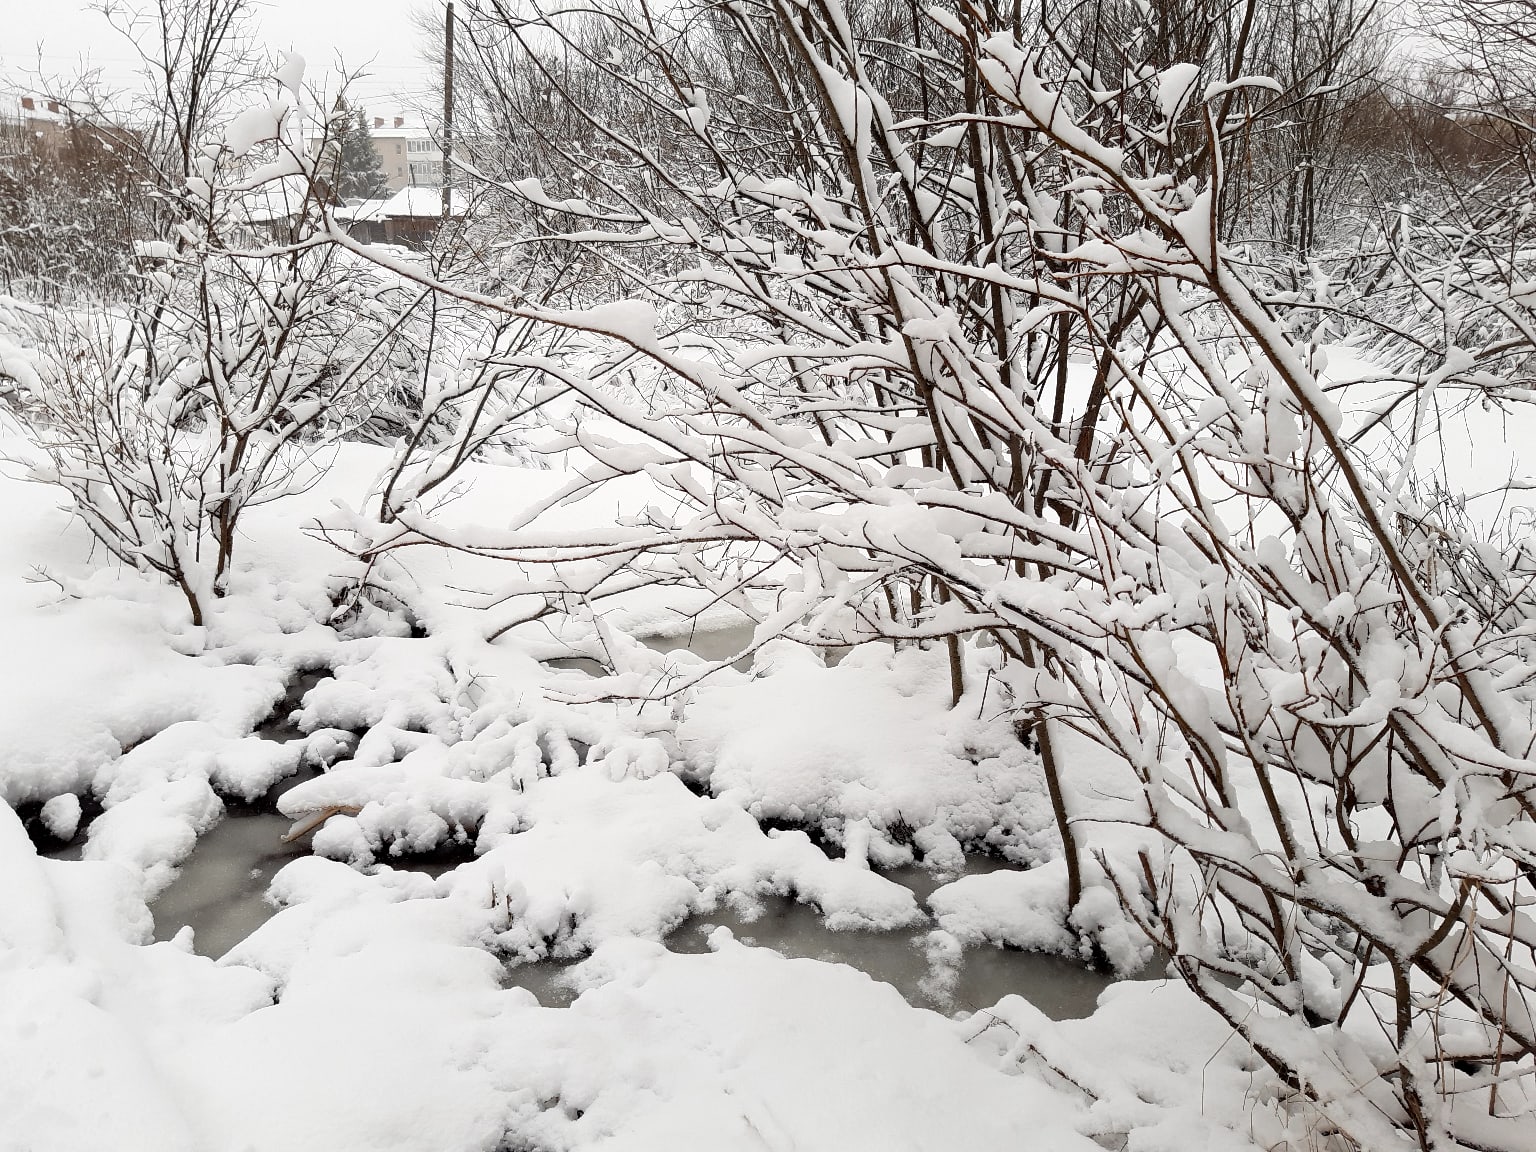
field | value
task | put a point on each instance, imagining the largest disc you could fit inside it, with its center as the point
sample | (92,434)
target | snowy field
(887,580)
(387,1005)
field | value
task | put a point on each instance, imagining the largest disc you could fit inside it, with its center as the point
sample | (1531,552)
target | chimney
(53,105)
(378,121)
(399,121)
(29,104)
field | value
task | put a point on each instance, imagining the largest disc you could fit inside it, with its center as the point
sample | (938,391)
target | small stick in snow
(305,825)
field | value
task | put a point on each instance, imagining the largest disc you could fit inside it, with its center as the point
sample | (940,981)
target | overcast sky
(69,33)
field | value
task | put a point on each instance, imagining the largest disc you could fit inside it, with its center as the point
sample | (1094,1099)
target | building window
(419,146)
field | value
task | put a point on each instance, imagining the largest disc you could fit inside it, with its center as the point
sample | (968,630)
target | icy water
(721,644)
(717,644)
(221,895)
(978,979)
(221,892)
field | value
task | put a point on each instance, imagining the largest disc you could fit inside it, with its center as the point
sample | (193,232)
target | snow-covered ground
(379,1007)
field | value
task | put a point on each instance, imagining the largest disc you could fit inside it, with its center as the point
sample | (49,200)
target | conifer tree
(353,161)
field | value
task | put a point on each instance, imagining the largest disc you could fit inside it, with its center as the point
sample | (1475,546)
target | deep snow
(375,1010)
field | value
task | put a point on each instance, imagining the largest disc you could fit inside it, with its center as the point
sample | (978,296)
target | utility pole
(448,114)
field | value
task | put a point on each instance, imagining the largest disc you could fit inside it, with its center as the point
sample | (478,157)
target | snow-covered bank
(373,1012)
(391,1032)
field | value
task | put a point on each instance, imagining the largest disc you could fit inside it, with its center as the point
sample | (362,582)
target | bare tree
(199,62)
(245,348)
(893,247)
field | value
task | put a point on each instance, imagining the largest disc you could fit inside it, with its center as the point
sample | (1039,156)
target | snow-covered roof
(361,210)
(14,106)
(406,133)
(418,200)
(275,200)
(413,128)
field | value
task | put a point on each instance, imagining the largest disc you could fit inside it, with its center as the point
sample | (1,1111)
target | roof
(422,202)
(406,133)
(414,126)
(360,210)
(275,200)
(12,107)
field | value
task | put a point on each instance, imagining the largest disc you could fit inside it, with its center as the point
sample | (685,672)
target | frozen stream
(221,895)
(1058,987)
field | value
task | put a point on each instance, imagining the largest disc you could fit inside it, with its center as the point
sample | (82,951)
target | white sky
(69,33)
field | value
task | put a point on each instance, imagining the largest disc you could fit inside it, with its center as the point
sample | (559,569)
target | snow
(61,815)
(392,1032)
(362,210)
(420,201)
(378,1008)
(370,1012)
(1173,86)
(375,1009)
(105,658)
(255,125)
(1205,670)
(291,75)
(872,739)
(740,1080)
(1022,909)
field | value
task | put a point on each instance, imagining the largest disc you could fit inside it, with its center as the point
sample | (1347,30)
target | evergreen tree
(352,160)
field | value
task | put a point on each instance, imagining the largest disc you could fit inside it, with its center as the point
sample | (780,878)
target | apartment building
(407,152)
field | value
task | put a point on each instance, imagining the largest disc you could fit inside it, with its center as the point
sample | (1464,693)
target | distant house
(408,152)
(35,118)
(42,126)
(363,220)
(278,207)
(411,217)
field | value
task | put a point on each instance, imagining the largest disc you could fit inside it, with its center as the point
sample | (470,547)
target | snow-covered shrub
(480,391)
(245,349)
(67,212)
(993,369)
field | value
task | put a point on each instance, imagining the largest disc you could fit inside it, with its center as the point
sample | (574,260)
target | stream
(715,644)
(221,894)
